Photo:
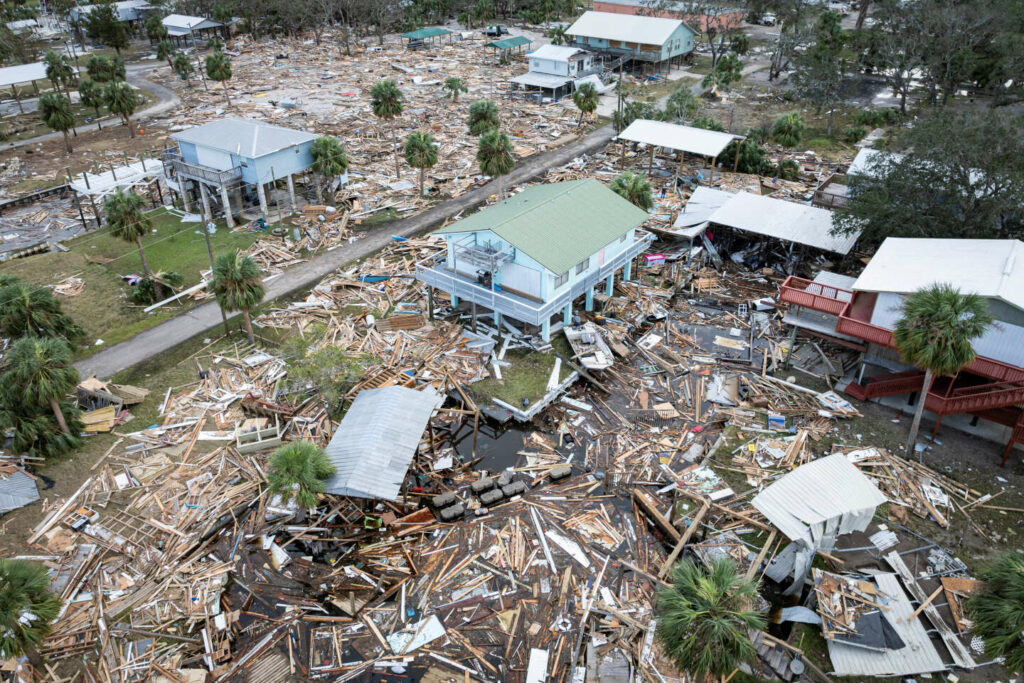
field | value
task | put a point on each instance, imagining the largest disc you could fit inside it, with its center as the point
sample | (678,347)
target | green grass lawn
(527,377)
(103,309)
(30,125)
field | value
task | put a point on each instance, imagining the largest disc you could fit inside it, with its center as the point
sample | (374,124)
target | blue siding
(188,152)
(284,162)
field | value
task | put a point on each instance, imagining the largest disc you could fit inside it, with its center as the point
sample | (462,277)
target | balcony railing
(200,172)
(433,271)
(815,295)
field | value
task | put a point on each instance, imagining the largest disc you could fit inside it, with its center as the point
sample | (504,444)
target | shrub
(854,134)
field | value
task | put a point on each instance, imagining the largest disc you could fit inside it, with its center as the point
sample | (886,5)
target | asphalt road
(204,319)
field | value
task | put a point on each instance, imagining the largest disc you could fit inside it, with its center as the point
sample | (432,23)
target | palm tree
(39,373)
(165,51)
(557,35)
(935,334)
(634,188)
(998,609)
(215,44)
(495,156)
(218,68)
(421,153)
(128,222)
(703,619)
(787,131)
(682,103)
(454,86)
(483,116)
(29,310)
(58,69)
(329,161)
(27,607)
(155,29)
(238,286)
(299,469)
(91,94)
(585,98)
(386,102)
(99,68)
(121,100)
(55,111)
(183,67)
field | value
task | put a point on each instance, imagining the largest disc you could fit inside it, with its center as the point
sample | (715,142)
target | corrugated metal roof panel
(708,143)
(509,43)
(246,138)
(624,27)
(917,657)
(783,220)
(540,80)
(557,224)
(429,32)
(17,490)
(377,440)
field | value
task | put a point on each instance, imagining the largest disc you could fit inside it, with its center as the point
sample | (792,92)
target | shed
(181,25)
(23,73)
(816,503)
(426,34)
(17,489)
(787,221)
(706,143)
(377,440)
(506,44)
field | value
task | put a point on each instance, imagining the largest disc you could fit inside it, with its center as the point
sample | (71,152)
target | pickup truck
(495,31)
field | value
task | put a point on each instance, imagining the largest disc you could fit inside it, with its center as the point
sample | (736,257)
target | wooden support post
(736,160)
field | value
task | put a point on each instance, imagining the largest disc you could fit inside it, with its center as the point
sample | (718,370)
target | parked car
(767,19)
(495,31)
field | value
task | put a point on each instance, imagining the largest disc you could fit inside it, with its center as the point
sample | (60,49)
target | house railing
(200,172)
(433,271)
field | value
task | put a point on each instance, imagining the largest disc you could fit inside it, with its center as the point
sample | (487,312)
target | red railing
(814,295)
(865,331)
(887,385)
(968,399)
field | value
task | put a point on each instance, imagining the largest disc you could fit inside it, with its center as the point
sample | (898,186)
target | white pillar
(227,206)
(291,193)
(263,200)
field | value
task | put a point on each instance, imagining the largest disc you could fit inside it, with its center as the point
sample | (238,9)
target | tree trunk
(224,318)
(34,657)
(918,411)
(394,147)
(248,327)
(831,115)
(131,128)
(67,142)
(864,5)
(142,257)
(319,188)
(226,96)
(57,413)
(421,182)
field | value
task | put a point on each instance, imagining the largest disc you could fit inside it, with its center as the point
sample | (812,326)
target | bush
(875,118)
(707,123)
(752,157)
(144,293)
(854,134)
(998,610)
(790,170)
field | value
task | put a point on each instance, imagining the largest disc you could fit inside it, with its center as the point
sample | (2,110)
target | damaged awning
(539,80)
(377,440)
(708,143)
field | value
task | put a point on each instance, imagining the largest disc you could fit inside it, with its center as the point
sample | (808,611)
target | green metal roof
(559,224)
(509,43)
(428,32)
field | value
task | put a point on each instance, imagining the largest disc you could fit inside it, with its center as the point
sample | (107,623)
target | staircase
(887,385)
(974,399)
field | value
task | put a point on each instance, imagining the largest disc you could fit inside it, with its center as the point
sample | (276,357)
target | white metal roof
(991,268)
(17,490)
(186,23)
(377,440)
(244,137)
(624,27)
(708,143)
(918,655)
(861,164)
(558,53)
(789,221)
(23,73)
(100,184)
(693,219)
(540,80)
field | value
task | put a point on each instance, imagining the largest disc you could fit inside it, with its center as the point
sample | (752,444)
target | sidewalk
(203,319)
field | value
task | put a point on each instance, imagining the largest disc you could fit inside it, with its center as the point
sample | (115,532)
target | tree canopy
(420,152)
(298,469)
(27,608)
(483,117)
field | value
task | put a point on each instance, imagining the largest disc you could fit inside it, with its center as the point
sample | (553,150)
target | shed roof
(540,80)
(429,32)
(625,27)
(783,220)
(559,224)
(186,23)
(17,489)
(244,137)
(990,268)
(709,143)
(557,53)
(509,43)
(377,440)
(23,73)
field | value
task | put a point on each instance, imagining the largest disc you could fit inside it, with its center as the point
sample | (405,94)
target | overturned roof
(17,489)
(625,27)
(558,224)
(989,268)
(244,137)
(783,220)
(708,143)
(377,440)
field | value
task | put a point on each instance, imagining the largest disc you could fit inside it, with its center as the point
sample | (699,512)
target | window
(582,265)
(623,238)
(561,279)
